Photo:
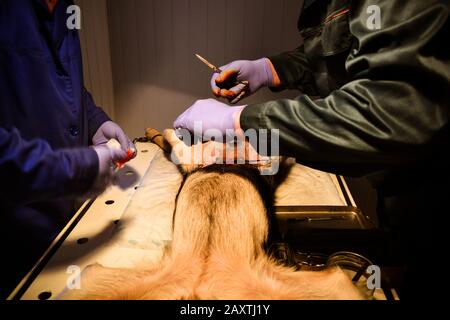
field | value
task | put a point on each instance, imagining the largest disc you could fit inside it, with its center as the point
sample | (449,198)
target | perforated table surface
(130,224)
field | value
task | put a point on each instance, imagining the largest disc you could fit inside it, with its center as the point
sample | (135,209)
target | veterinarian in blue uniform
(375,102)
(47,123)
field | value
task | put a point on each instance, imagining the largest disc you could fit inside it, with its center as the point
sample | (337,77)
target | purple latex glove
(110,130)
(212,114)
(107,157)
(226,84)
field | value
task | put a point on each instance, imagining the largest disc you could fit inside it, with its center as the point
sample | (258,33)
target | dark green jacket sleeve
(392,111)
(294,71)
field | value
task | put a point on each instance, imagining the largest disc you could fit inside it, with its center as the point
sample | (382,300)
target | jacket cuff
(279,63)
(252,117)
(293,74)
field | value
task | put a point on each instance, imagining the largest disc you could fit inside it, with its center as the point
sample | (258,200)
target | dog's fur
(220,228)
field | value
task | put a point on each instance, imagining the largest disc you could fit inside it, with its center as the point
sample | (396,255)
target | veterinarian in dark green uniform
(375,84)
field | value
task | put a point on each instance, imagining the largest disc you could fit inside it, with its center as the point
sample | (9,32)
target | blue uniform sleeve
(31,171)
(96,115)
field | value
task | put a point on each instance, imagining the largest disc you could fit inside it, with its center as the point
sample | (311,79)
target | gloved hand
(258,73)
(108,156)
(110,130)
(211,114)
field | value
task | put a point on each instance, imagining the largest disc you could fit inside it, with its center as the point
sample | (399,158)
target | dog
(220,228)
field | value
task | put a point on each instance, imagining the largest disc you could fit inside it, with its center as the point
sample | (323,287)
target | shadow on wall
(155,73)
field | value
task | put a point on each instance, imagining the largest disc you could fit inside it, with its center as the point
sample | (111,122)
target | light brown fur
(220,227)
